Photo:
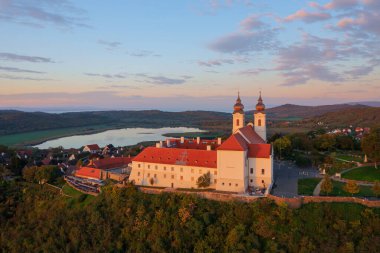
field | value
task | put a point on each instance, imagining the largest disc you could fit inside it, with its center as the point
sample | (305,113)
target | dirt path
(317,189)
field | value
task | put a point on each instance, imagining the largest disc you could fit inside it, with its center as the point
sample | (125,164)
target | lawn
(77,196)
(68,190)
(350,158)
(306,186)
(368,173)
(365,191)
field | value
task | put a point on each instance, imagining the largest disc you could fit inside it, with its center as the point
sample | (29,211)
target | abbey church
(241,163)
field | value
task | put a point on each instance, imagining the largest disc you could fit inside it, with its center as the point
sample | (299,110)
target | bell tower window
(259,122)
(237,122)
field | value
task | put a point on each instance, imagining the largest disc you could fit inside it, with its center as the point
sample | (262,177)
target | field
(306,186)
(36,137)
(368,173)
(365,191)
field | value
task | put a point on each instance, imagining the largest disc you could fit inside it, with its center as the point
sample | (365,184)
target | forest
(35,218)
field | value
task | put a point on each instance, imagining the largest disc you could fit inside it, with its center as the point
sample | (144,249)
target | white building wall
(260,172)
(232,171)
(237,118)
(167,175)
(260,125)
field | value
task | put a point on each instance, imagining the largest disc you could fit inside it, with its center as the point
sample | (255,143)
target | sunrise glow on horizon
(184,55)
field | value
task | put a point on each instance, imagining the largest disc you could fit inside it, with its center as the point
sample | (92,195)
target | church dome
(260,105)
(238,107)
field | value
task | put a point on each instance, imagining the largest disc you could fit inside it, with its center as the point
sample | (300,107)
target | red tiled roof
(259,150)
(176,156)
(93,146)
(192,144)
(88,173)
(110,163)
(251,135)
(235,142)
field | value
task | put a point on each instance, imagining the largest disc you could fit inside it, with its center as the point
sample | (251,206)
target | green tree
(376,188)
(282,146)
(351,187)
(371,145)
(204,180)
(326,185)
(324,142)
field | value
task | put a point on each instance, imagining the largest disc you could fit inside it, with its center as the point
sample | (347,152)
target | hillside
(294,112)
(363,117)
(19,122)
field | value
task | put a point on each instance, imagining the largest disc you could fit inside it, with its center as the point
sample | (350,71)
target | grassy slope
(306,186)
(368,173)
(365,191)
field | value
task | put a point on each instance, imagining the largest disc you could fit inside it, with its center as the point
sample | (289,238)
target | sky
(187,55)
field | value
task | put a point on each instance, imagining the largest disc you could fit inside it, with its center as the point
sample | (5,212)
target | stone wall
(296,202)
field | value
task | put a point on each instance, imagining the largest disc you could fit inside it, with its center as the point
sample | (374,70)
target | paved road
(286,176)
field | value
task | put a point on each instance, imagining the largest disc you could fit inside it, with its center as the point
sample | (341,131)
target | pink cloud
(341,4)
(308,17)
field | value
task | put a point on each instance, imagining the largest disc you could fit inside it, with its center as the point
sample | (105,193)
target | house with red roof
(112,167)
(92,148)
(243,162)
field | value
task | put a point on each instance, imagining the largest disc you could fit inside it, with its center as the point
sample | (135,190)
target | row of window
(262,171)
(172,169)
(172,177)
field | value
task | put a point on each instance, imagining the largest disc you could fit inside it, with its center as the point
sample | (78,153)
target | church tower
(260,119)
(238,118)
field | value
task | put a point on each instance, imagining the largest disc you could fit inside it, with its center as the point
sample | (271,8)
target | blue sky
(182,55)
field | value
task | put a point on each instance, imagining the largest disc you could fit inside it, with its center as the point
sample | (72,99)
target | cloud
(366,21)
(220,62)
(308,17)
(11,77)
(359,71)
(108,76)
(244,42)
(251,22)
(24,58)
(109,44)
(61,13)
(341,4)
(116,86)
(143,53)
(162,80)
(12,69)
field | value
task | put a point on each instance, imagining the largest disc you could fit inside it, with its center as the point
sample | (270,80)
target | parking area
(286,175)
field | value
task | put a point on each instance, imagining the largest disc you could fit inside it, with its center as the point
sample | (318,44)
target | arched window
(237,122)
(251,170)
(262,171)
(259,122)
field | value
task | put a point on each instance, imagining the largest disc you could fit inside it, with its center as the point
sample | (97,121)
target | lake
(117,137)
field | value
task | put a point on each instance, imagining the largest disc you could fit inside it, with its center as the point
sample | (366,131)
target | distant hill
(363,117)
(369,103)
(17,122)
(297,112)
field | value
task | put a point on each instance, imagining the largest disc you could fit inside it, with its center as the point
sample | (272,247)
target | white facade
(238,121)
(260,125)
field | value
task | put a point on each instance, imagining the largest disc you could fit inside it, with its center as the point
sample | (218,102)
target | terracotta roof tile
(251,135)
(259,150)
(235,142)
(88,173)
(93,147)
(176,156)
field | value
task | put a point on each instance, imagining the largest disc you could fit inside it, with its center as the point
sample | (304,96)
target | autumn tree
(376,188)
(204,180)
(371,145)
(282,146)
(326,185)
(351,187)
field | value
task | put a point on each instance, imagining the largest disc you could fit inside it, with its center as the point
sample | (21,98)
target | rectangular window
(164,167)
(156,167)
(139,165)
(155,175)
(181,177)
(200,171)
(262,171)
(215,172)
(172,176)
(172,168)
(215,181)
(236,185)
(148,166)
(181,169)
(251,171)
(251,180)
(138,173)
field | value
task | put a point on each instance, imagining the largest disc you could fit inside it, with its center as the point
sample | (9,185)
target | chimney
(182,140)
(198,140)
(219,141)
(208,147)
(158,145)
(168,143)
(161,144)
